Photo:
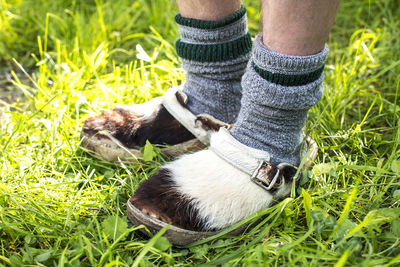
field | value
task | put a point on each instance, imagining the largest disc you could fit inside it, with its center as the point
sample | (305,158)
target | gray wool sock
(214,54)
(278,91)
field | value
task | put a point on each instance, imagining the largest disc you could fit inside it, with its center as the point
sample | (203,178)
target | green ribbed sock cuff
(214,52)
(286,70)
(213,41)
(288,79)
(208,25)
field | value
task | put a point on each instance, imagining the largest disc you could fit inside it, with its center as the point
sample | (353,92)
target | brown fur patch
(180,99)
(208,124)
(132,130)
(158,197)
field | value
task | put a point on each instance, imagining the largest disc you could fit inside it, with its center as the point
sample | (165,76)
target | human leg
(284,77)
(297,27)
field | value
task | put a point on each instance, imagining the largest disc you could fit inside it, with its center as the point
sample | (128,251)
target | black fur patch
(158,196)
(288,173)
(133,131)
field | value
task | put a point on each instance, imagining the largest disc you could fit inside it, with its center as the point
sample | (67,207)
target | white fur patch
(147,110)
(222,193)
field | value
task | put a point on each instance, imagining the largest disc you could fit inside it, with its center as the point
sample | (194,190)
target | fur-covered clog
(121,132)
(208,191)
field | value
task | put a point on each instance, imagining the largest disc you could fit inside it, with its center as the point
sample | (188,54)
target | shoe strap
(201,126)
(252,161)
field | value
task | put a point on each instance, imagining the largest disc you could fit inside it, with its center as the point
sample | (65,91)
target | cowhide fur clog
(121,132)
(206,192)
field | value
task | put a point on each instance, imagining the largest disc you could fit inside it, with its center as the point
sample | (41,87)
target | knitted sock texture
(214,55)
(278,91)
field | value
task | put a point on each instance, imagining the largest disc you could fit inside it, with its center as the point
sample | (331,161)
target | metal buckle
(261,176)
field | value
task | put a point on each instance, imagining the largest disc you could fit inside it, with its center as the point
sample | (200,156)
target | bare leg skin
(208,9)
(297,27)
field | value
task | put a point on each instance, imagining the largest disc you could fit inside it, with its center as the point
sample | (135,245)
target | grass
(71,59)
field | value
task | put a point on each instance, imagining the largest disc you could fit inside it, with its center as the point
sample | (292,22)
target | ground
(68,60)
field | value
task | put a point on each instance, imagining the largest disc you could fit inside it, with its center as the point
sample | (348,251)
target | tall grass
(72,59)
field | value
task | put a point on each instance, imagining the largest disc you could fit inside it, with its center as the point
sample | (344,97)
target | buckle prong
(262,181)
(273,180)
